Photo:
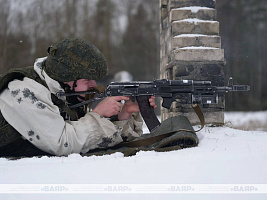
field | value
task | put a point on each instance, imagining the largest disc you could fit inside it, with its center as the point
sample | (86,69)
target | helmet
(73,59)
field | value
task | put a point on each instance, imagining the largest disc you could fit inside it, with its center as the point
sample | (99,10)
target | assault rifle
(184,91)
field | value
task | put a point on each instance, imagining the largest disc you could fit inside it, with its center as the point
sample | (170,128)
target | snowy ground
(224,156)
(247,120)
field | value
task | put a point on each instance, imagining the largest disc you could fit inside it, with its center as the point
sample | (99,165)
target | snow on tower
(191,49)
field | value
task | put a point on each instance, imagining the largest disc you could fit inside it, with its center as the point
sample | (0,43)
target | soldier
(32,115)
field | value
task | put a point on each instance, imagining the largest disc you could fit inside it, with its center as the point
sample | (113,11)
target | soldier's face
(83,84)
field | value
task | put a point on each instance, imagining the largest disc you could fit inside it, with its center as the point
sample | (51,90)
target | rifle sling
(200,115)
(157,138)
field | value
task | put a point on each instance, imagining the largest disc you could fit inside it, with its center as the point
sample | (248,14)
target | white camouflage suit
(27,106)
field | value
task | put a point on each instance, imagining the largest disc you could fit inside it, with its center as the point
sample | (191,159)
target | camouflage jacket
(27,106)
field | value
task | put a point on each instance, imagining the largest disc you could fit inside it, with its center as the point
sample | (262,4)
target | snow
(201,47)
(247,120)
(194,20)
(194,35)
(224,156)
(194,9)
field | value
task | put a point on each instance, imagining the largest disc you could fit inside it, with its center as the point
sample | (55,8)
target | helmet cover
(73,59)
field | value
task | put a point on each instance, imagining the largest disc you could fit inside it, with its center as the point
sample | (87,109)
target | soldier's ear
(48,49)
(51,50)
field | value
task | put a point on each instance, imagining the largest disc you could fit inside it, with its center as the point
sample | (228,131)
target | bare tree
(4,11)
(243,26)
(140,42)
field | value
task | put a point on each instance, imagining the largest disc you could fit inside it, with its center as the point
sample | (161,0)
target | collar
(52,84)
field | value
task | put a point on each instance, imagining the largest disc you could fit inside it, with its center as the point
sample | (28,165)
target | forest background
(127,32)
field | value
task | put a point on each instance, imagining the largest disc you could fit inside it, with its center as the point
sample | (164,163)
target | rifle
(184,91)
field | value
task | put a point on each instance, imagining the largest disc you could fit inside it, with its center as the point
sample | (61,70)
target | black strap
(58,102)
